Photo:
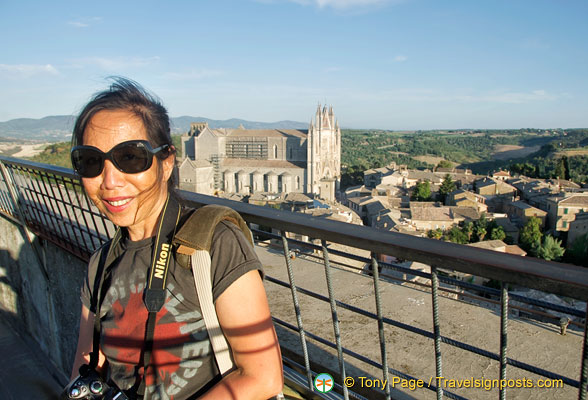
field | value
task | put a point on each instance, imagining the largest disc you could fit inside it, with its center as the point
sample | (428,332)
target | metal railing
(49,201)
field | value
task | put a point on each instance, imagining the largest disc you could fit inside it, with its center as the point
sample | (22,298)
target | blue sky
(389,64)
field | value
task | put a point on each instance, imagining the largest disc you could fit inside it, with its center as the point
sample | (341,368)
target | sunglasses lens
(87,162)
(132,158)
(129,157)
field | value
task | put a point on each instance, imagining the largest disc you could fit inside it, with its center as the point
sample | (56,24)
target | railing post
(503,337)
(382,336)
(335,319)
(436,330)
(584,369)
(10,185)
(20,215)
(297,310)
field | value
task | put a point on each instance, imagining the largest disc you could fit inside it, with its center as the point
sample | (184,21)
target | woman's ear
(169,163)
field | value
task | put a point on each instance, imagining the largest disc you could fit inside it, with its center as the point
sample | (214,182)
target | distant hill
(57,128)
(182,124)
(54,128)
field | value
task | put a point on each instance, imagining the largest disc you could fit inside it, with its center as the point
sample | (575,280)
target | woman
(122,148)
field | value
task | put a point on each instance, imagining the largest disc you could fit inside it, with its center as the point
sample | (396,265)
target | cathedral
(248,161)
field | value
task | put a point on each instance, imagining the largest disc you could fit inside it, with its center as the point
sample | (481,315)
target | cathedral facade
(247,161)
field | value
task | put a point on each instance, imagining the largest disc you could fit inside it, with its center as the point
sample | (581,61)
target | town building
(501,175)
(489,187)
(248,161)
(520,212)
(562,210)
(578,228)
(464,198)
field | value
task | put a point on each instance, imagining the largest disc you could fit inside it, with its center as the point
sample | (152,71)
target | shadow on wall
(39,293)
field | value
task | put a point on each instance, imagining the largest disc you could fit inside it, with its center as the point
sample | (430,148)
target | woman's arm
(85,342)
(244,316)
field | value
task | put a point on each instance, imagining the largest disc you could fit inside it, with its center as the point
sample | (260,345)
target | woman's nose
(112,177)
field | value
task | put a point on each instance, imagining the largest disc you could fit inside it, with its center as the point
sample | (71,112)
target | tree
(456,235)
(578,253)
(566,167)
(468,229)
(560,169)
(480,232)
(422,191)
(435,233)
(480,228)
(531,233)
(447,187)
(444,164)
(550,249)
(497,233)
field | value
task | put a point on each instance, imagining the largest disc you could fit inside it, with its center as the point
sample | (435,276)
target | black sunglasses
(129,157)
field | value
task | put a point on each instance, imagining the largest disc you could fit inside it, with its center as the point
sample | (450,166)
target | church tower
(323,154)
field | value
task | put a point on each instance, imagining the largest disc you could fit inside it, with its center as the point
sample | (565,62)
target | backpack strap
(196,233)
(194,239)
(193,243)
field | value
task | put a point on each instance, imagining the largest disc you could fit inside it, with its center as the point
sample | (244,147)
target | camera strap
(154,295)
(98,294)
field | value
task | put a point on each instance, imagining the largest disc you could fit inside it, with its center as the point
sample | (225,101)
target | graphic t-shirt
(182,353)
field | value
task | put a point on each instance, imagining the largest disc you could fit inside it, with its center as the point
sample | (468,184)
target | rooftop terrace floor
(24,372)
(529,340)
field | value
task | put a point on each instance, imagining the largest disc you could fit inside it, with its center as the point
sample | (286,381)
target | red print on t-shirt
(126,340)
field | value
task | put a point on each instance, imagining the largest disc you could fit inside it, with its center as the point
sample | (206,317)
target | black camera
(90,386)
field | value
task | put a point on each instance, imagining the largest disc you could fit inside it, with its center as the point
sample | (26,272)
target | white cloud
(331,69)
(400,58)
(519,97)
(430,95)
(193,74)
(84,22)
(78,24)
(26,70)
(348,3)
(338,4)
(116,63)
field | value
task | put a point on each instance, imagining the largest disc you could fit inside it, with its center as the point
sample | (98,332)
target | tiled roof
(430,213)
(297,197)
(375,207)
(489,244)
(571,199)
(422,175)
(514,249)
(465,212)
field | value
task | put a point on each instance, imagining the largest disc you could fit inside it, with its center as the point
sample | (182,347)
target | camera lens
(96,387)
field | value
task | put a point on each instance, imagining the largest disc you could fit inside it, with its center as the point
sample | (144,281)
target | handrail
(50,202)
(553,277)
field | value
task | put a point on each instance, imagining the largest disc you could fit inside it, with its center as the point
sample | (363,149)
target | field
(20,150)
(433,160)
(572,152)
(510,151)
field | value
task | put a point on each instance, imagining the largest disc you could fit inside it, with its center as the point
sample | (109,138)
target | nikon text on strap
(157,281)
(154,297)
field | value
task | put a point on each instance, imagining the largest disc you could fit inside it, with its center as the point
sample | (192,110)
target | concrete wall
(39,292)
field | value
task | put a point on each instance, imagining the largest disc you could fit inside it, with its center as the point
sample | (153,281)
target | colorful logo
(324,383)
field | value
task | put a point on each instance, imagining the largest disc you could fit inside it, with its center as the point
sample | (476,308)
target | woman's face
(133,201)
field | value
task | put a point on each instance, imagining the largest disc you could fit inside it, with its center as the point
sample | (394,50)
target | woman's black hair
(126,94)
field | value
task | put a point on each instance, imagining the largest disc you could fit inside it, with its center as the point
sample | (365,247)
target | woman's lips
(117,204)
